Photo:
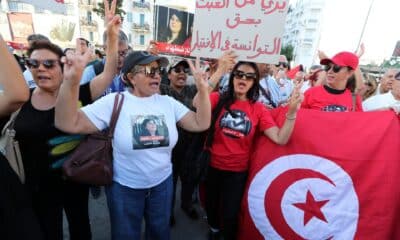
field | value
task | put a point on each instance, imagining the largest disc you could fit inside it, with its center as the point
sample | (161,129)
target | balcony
(87,4)
(141,27)
(141,5)
(91,26)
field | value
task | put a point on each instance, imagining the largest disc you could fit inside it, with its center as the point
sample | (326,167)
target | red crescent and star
(312,208)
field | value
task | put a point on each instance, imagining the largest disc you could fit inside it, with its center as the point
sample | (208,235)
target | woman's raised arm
(15,91)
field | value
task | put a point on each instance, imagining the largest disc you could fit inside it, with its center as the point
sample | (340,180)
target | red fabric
(182,50)
(337,178)
(319,98)
(292,72)
(233,141)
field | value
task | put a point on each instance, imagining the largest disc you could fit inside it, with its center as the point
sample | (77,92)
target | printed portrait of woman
(149,132)
(175,32)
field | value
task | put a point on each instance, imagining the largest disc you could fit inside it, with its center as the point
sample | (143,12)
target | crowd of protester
(229,105)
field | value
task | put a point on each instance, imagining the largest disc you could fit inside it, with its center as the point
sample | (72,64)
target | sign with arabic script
(252,28)
(55,6)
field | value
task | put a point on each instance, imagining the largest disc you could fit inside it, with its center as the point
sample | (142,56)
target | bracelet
(211,84)
(288,118)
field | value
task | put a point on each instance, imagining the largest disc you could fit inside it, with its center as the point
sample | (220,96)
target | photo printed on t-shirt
(235,125)
(149,131)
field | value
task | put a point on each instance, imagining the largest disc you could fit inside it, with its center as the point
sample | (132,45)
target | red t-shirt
(319,98)
(233,137)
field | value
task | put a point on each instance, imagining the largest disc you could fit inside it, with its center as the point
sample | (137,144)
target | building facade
(302,30)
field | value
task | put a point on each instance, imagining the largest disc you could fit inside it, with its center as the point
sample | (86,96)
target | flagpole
(365,24)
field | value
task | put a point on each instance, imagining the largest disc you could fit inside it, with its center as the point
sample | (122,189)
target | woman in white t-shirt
(142,186)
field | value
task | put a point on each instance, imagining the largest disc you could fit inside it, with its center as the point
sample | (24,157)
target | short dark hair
(37,45)
(37,37)
(86,41)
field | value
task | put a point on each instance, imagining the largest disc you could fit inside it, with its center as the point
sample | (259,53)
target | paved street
(184,228)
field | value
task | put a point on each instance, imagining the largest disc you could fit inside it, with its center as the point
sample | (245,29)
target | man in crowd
(177,88)
(385,100)
(386,81)
(93,70)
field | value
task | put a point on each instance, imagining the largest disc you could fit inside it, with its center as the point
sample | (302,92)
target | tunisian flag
(337,178)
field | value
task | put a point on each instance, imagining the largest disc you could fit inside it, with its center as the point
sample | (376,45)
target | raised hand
(113,27)
(75,63)
(199,75)
(296,98)
(361,50)
(152,48)
(109,12)
(227,61)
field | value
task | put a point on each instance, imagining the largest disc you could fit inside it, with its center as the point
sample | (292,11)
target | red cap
(343,59)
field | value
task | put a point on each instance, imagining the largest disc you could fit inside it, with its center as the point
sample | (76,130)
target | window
(20,7)
(89,16)
(129,17)
(91,36)
(141,19)
(141,39)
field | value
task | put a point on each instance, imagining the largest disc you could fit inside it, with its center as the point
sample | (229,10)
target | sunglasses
(48,63)
(247,76)
(179,70)
(283,64)
(150,71)
(335,68)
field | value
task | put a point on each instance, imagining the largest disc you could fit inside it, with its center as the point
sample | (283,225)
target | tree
(288,52)
(100,9)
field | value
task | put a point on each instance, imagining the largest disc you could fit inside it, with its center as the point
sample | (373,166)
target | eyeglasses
(179,70)
(283,64)
(34,63)
(335,68)
(248,76)
(150,71)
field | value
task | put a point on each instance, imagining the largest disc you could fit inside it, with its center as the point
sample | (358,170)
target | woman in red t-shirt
(237,117)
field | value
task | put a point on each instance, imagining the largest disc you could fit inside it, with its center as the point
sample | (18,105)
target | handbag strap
(214,118)
(11,122)
(115,113)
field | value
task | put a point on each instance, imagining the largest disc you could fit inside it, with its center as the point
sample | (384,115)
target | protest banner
(337,178)
(253,29)
(21,26)
(173,31)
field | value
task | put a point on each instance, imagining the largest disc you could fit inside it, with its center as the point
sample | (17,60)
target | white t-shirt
(376,102)
(144,136)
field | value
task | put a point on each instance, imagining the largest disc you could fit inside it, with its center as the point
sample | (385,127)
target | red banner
(337,178)
(173,49)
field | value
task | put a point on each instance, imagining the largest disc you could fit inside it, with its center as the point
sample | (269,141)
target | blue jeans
(128,206)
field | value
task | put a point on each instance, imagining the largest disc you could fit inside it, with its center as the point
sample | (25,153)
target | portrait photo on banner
(173,30)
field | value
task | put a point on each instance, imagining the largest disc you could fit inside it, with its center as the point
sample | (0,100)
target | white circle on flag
(334,186)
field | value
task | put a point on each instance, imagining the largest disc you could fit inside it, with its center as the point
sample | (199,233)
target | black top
(17,220)
(185,96)
(43,147)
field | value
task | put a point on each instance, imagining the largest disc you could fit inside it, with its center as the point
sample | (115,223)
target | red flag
(337,178)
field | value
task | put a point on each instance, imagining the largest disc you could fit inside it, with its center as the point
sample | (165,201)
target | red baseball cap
(343,59)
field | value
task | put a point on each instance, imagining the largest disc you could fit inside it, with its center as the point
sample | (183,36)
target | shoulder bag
(92,161)
(9,147)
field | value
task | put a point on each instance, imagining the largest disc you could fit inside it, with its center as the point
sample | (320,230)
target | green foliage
(288,52)
(394,62)
(100,9)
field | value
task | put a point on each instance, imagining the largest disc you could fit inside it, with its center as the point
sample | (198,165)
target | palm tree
(100,9)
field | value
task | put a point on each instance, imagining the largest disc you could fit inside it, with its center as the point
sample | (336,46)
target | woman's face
(146,80)
(151,126)
(243,80)
(175,24)
(49,77)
